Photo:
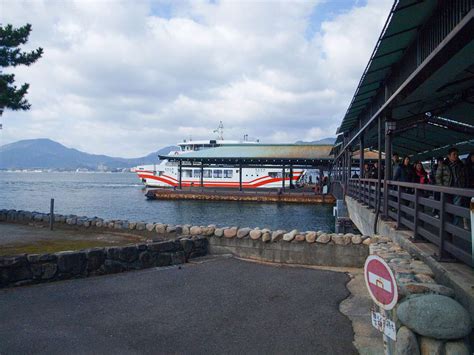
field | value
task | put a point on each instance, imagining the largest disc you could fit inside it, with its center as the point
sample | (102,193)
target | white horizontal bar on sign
(380,282)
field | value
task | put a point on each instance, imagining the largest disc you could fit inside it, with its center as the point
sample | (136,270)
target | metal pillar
(180,174)
(202,176)
(283,178)
(240,177)
(389,127)
(291,177)
(361,156)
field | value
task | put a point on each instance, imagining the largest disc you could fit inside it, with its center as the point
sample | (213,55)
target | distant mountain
(329,140)
(47,154)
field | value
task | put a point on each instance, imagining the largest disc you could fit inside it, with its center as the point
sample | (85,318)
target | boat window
(217,174)
(187,173)
(207,173)
(274,175)
(197,173)
(228,174)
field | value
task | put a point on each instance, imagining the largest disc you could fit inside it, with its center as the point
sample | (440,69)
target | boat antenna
(220,131)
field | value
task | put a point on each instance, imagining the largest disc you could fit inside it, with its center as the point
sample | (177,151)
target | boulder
(185,230)
(424,278)
(412,288)
(323,238)
(132,225)
(48,270)
(118,225)
(311,237)
(299,238)
(356,240)
(288,237)
(208,231)
(255,234)
(277,235)
(456,348)
(95,258)
(160,228)
(149,227)
(230,232)
(430,346)
(367,241)
(243,232)
(219,232)
(266,237)
(406,343)
(140,226)
(435,316)
(128,254)
(341,239)
(146,259)
(195,230)
(171,230)
(112,267)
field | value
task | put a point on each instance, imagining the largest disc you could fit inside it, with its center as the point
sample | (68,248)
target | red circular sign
(380,282)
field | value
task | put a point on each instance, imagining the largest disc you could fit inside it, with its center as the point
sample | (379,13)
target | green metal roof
(399,32)
(261,153)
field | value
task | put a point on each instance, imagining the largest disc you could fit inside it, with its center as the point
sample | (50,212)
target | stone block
(266,237)
(219,232)
(128,254)
(141,226)
(112,267)
(288,237)
(163,259)
(243,232)
(429,346)
(323,238)
(195,230)
(406,343)
(71,262)
(456,348)
(230,232)
(311,237)
(160,247)
(299,238)
(255,234)
(277,235)
(95,258)
(146,259)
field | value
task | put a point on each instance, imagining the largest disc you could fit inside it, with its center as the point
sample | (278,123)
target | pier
(262,195)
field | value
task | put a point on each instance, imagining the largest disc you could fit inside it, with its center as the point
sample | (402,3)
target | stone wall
(27,269)
(429,320)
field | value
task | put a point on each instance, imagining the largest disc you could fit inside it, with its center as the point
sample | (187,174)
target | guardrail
(438,214)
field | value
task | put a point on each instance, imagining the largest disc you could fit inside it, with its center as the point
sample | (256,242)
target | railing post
(442,221)
(399,197)
(51,214)
(415,219)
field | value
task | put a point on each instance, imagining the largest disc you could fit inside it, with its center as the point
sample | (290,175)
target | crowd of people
(450,171)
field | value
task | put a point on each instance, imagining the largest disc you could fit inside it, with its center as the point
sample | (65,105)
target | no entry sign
(380,282)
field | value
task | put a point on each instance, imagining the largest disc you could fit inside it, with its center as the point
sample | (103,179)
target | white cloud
(117,79)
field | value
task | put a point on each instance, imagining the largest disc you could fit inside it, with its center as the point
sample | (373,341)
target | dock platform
(273,195)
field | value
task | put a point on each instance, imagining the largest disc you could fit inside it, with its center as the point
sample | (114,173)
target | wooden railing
(438,214)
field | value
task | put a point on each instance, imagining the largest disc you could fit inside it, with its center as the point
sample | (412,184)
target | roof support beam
(454,41)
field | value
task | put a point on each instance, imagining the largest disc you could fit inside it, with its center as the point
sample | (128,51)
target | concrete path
(221,305)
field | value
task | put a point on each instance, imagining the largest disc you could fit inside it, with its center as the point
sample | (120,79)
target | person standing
(469,164)
(395,163)
(452,173)
(420,176)
(404,172)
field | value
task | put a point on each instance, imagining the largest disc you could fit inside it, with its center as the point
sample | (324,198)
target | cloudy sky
(125,78)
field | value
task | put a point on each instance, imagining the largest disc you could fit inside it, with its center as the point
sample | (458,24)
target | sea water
(122,196)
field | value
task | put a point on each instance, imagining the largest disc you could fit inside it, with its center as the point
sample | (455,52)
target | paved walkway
(221,305)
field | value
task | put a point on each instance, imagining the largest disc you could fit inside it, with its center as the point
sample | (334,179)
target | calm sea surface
(121,196)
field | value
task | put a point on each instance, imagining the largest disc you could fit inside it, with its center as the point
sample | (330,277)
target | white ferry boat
(166,174)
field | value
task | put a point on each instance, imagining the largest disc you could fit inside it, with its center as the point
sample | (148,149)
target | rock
(187,244)
(299,238)
(341,239)
(185,230)
(95,258)
(406,343)
(430,346)
(149,227)
(230,232)
(356,240)
(419,288)
(71,262)
(160,228)
(367,241)
(277,235)
(48,270)
(99,224)
(255,234)
(266,237)
(87,224)
(146,259)
(13,269)
(424,278)
(243,232)
(195,230)
(171,230)
(140,226)
(311,237)
(208,231)
(435,316)
(219,232)
(132,225)
(112,267)
(323,238)
(288,237)
(118,225)
(456,348)
(128,254)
